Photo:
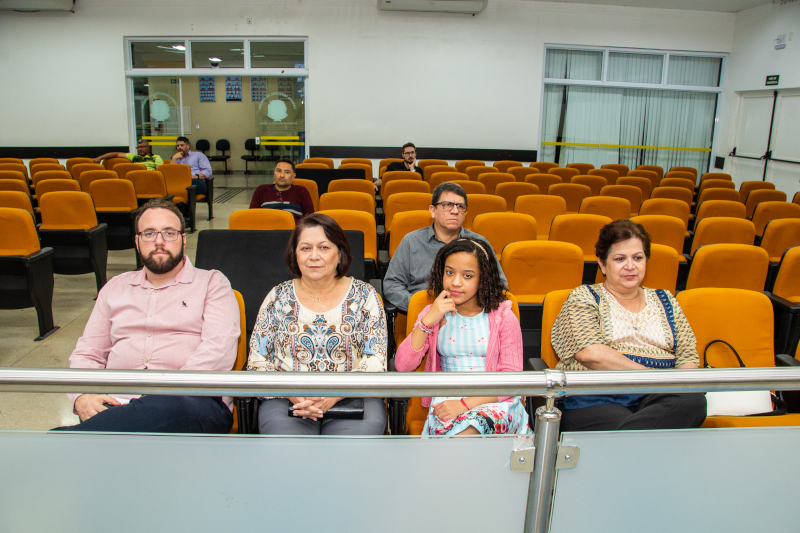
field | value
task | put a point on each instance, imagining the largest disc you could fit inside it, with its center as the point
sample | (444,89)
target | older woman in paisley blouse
(321,321)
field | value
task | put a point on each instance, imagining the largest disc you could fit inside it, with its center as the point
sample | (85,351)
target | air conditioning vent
(36,5)
(470,7)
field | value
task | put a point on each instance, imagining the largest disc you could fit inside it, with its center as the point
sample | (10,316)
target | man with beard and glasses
(168,316)
(409,163)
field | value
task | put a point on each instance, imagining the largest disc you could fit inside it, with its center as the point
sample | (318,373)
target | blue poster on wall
(208,90)
(258,88)
(233,88)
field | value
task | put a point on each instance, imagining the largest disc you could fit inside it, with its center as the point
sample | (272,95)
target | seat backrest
(357,201)
(609,174)
(719,208)
(388,161)
(464,164)
(564,173)
(734,266)
(71,162)
(682,175)
(317,166)
(202,145)
(44,175)
(357,221)
(13,160)
(715,176)
(534,268)
(731,195)
(473,172)
(642,183)
(553,302)
(47,186)
(41,161)
(581,230)
(261,219)
(667,206)
(42,167)
(779,236)
(654,168)
(471,187)
(16,200)
(583,168)
(15,167)
(222,145)
(543,181)
(398,175)
(661,270)
(677,182)
(787,282)
(511,191)
(629,192)
(422,163)
(482,203)
(716,230)
(491,180)
(359,166)
(244,341)
(744,319)
(440,177)
(762,195)
(14,185)
(430,170)
(607,206)
(673,193)
(68,210)
(353,186)
(79,168)
(177,178)
(663,229)
(327,162)
(503,166)
(651,175)
(622,170)
(250,145)
(747,186)
(595,183)
(690,170)
(519,173)
(404,201)
(405,222)
(311,187)
(111,162)
(89,176)
(543,166)
(572,193)
(12,175)
(19,232)
(418,301)
(358,161)
(113,195)
(543,208)
(502,228)
(148,183)
(716,184)
(396,186)
(766,211)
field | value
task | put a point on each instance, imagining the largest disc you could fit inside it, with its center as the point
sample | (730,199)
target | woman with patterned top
(620,325)
(470,327)
(321,321)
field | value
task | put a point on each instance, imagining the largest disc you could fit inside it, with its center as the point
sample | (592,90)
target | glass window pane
(222,54)
(690,70)
(277,54)
(156,106)
(280,114)
(574,64)
(635,68)
(158,54)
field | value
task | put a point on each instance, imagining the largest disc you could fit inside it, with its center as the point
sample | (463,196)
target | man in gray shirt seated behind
(411,264)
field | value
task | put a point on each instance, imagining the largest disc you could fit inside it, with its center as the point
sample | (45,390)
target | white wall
(376,78)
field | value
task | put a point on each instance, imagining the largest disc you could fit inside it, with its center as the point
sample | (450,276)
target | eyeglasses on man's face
(169,235)
(408,153)
(448,206)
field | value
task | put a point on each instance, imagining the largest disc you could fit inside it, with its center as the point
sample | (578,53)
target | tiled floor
(72,304)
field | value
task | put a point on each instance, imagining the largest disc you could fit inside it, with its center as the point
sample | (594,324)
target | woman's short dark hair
(332,232)
(618,231)
(490,285)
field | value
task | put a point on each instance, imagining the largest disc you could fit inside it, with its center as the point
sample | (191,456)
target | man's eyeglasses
(409,153)
(448,206)
(169,235)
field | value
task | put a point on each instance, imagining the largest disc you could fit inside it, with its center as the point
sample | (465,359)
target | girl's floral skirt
(489,419)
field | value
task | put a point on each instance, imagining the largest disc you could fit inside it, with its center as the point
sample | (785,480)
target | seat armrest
(537,364)
(782,304)
(383,258)
(390,308)
(98,228)
(377,284)
(390,365)
(784,359)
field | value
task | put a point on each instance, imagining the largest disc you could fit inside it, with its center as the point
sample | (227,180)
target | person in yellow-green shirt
(144,156)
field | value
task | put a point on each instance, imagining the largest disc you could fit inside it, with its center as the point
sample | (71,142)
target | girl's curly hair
(490,286)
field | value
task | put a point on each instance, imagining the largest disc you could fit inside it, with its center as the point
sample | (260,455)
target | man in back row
(281,195)
(409,163)
(143,156)
(201,166)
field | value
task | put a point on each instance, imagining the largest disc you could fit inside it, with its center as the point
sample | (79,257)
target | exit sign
(772,80)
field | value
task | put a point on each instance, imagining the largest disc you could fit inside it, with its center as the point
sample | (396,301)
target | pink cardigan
(503,354)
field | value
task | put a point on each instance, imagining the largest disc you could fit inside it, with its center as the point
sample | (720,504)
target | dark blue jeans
(202,188)
(162,414)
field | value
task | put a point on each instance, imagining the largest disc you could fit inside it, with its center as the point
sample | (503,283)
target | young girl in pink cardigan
(470,327)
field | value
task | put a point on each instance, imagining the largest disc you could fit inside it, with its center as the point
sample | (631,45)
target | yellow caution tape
(283,144)
(279,138)
(161,137)
(162,144)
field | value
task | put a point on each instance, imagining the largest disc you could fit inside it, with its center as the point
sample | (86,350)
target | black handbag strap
(726,343)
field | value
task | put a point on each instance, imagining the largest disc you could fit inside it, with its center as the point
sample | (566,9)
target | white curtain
(553,99)
(592,117)
(690,70)
(574,64)
(635,68)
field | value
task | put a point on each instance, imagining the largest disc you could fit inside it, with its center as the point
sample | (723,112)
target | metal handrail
(395,384)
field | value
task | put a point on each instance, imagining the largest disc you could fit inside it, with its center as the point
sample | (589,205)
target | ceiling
(724,6)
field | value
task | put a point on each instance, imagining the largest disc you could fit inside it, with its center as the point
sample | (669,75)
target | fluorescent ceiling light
(178,47)
(214,59)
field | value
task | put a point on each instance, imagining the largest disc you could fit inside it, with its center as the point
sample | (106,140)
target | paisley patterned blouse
(350,337)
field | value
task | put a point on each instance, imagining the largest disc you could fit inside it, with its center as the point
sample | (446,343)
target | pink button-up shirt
(189,323)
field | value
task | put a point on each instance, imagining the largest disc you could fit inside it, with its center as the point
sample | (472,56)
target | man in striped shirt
(281,194)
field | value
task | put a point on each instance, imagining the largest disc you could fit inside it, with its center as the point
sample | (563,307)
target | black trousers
(655,411)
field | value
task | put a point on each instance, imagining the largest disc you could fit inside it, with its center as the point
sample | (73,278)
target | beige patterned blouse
(659,336)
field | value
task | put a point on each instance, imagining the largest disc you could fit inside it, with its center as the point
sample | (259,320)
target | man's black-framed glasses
(448,206)
(169,235)
(408,153)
